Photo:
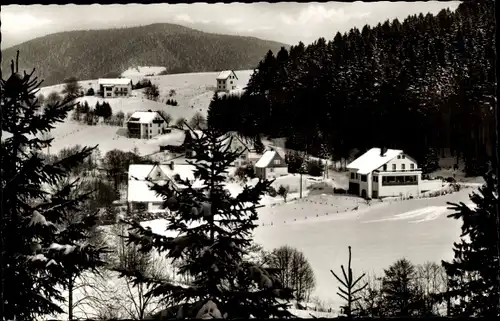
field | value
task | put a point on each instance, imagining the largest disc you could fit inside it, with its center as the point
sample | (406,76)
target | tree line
(423,85)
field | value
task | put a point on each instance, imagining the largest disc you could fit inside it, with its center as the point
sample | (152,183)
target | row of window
(399,180)
(403,166)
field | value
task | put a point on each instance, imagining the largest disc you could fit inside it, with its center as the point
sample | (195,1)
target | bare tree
(180,123)
(198,121)
(283,191)
(72,88)
(134,302)
(432,283)
(166,116)
(152,92)
(371,298)
(53,98)
(294,271)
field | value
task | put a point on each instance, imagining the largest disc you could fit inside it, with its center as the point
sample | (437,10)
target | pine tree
(212,252)
(38,249)
(475,270)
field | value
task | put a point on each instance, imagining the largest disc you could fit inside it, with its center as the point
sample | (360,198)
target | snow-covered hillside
(192,92)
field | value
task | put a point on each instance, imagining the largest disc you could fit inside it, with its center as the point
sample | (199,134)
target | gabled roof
(245,142)
(371,160)
(113,81)
(144,117)
(139,189)
(266,159)
(226,73)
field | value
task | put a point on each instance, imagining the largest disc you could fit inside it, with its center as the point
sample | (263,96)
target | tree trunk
(70,298)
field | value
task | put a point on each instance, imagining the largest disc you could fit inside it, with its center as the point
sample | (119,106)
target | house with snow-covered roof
(142,176)
(146,124)
(271,165)
(226,81)
(384,172)
(114,87)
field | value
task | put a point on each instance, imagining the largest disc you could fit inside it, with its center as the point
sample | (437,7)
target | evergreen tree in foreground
(475,270)
(214,233)
(38,249)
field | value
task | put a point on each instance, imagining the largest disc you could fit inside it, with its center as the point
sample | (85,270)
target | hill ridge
(95,53)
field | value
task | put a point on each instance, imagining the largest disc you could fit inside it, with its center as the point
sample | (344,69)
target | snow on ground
(69,134)
(141,71)
(193,93)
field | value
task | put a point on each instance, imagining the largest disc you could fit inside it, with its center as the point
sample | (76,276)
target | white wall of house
(401,162)
(226,84)
(275,172)
(115,90)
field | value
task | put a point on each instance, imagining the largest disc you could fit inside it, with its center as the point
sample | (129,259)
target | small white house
(271,165)
(226,81)
(146,124)
(141,177)
(115,87)
(384,172)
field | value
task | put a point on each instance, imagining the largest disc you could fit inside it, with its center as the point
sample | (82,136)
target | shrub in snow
(46,249)
(213,232)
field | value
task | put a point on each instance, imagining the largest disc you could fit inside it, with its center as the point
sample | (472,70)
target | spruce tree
(474,273)
(38,249)
(225,285)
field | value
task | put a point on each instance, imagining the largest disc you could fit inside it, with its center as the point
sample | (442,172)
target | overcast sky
(284,22)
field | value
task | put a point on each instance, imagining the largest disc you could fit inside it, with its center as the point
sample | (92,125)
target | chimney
(383,150)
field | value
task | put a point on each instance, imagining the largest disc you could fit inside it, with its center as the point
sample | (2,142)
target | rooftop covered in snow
(113,81)
(144,117)
(226,73)
(372,159)
(266,159)
(139,189)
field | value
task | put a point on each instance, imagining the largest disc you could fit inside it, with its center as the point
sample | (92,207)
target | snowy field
(193,93)
(141,71)
(379,234)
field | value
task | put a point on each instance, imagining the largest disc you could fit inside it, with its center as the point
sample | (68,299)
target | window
(393,167)
(412,166)
(399,156)
(352,175)
(403,166)
(385,167)
(277,162)
(271,169)
(403,156)
(375,179)
(363,178)
(231,82)
(108,94)
(357,176)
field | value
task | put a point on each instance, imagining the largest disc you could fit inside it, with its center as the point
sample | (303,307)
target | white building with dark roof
(271,165)
(384,172)
(114,87)
(146,124)
(226,81)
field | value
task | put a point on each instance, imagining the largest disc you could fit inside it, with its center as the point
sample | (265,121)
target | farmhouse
(114,87)
(146,124)
(271,165)
(226,81)
(384,172)
(141,177)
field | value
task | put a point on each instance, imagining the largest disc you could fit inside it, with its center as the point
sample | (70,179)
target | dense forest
(424,85)
(90,54)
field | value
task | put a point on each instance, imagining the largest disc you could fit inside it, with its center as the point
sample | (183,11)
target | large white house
(146,124)
(141,177)
(114,87)
(384,172)
(226,81)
